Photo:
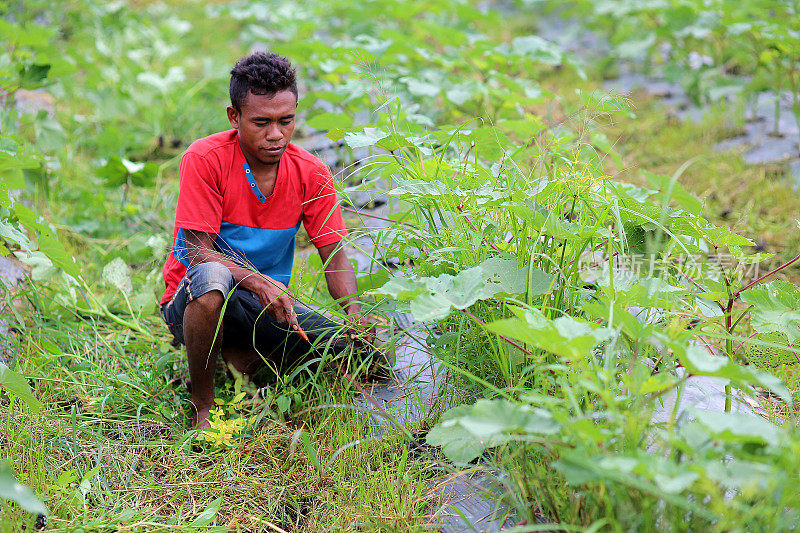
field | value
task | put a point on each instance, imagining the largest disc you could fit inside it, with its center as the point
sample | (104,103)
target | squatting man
(243,195)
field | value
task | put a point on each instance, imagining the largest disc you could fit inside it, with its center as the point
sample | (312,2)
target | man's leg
(332,338)
(203,342)
(243,360)
(194,317)
(284,347)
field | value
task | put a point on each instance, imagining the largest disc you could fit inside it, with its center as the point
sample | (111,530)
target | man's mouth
(274,150)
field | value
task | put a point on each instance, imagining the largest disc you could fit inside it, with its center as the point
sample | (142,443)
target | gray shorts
(245,324)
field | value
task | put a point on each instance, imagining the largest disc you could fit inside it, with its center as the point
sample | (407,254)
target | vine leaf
(738,426)
(777,308)
(564,336)
(433,298)
(699,361)
(118,274)
(464,432)
(16,384)
(362,139)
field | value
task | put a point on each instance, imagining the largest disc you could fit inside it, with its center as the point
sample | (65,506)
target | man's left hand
(362,328)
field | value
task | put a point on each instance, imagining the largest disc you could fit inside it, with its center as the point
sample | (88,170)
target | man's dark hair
(261,73)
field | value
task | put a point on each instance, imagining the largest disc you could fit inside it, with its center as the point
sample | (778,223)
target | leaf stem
(482,323)
(765,276)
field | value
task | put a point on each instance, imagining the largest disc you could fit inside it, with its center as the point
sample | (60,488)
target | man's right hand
(277,301)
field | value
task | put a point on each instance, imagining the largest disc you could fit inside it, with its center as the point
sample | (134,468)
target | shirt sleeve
(322,216)
(199,197)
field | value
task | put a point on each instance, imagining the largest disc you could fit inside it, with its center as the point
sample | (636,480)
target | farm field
(600,274)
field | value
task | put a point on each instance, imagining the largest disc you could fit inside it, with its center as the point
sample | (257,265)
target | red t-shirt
(218,195)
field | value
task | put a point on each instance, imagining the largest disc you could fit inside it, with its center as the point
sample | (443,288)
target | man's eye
(286,122)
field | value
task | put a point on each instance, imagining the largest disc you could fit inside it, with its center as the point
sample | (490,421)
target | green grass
(114,437)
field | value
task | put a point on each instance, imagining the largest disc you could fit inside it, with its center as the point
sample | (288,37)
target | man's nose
(274,133)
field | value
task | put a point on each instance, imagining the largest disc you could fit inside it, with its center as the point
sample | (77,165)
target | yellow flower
(222,432)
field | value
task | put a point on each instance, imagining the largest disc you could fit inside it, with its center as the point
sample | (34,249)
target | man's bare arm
(272,294)
(340,277)
(341,282)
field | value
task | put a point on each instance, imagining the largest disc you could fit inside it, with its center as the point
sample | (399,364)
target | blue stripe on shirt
(270,251)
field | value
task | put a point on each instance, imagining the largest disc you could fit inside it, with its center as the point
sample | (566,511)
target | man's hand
(362,326)
(342,286)
(277,301)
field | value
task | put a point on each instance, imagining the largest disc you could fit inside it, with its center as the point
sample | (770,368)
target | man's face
(265,125)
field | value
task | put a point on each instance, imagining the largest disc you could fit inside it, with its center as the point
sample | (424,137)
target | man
(243,194)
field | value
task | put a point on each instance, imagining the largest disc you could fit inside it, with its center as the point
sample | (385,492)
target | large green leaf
(564,336)
(119,171)
(15,383)
(11,232)
(464,432)
(50,136)
(118,273)
(739,426)
(457,443)
(42,267)
(48,243)
(32,76)
(572,232)
(736,473)
(419,87)
(114,172)
(145,174)
(695,226)
(699,361)
(776,308)
(437,192)
(368,137)
(56,252)
(534,47)
(490,142)
(433,298)
(670,189)
(10,489)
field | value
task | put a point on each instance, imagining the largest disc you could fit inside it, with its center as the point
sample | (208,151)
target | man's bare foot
(202,418)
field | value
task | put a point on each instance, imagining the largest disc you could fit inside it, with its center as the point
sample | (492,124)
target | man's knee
(209,302)
(210,283)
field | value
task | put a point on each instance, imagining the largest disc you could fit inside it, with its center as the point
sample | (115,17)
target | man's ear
(233,117)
